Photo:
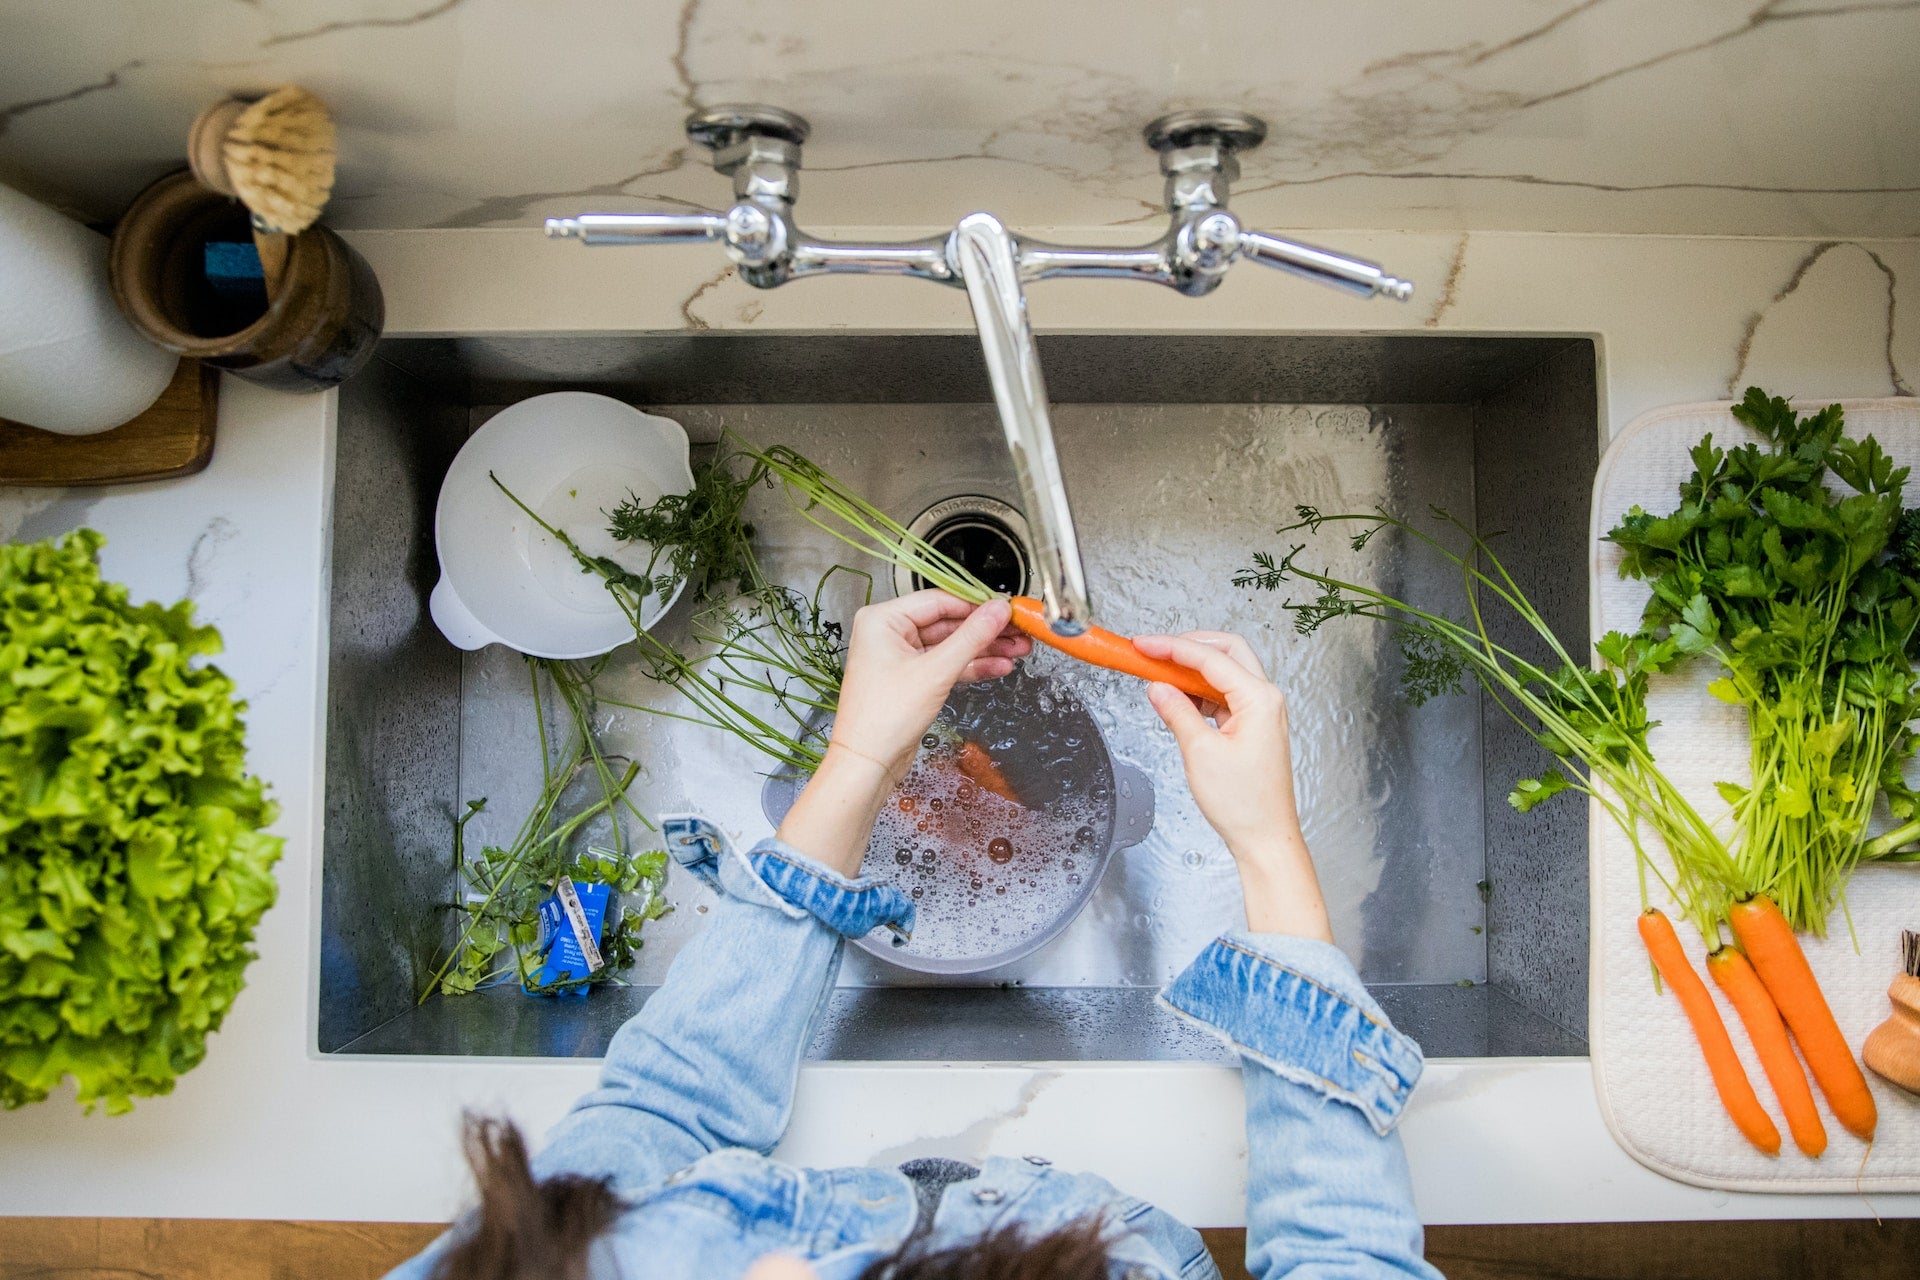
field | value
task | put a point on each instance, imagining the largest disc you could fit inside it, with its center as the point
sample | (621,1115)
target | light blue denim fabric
(697,1088)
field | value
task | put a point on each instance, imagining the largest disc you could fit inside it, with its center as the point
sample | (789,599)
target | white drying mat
(1654,1088)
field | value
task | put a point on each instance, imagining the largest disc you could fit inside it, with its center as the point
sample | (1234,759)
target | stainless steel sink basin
(1182,455)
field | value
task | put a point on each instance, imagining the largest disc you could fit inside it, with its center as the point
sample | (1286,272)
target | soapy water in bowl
(987,874)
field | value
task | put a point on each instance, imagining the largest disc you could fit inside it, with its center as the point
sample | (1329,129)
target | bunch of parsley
(1793,566)
(133,864)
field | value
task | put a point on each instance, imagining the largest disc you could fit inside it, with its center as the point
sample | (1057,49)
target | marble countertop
(267,1127)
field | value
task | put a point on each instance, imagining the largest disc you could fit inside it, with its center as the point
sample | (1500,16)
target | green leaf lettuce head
(133,867)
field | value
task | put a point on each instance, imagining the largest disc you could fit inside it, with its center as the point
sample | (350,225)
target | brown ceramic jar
(316,331)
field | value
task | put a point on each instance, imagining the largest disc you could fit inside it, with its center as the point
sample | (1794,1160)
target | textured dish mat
(1654,1088)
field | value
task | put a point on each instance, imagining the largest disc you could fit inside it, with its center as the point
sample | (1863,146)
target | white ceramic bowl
(570,456)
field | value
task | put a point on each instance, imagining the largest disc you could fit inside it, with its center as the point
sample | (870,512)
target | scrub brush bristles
(278,157)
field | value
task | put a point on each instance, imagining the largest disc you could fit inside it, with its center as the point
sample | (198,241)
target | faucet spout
(987,259)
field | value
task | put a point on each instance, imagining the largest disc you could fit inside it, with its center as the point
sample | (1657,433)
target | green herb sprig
(499,931)
(1594,721)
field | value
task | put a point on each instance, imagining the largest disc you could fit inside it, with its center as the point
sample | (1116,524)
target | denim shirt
(698,1086)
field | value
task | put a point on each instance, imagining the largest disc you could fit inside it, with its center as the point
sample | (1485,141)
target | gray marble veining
(1720,116)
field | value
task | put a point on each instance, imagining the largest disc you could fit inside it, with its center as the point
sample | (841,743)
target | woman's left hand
(905,657)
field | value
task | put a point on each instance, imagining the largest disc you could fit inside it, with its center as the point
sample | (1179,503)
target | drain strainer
(984,534)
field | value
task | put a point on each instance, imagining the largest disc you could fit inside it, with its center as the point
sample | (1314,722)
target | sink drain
(984,534)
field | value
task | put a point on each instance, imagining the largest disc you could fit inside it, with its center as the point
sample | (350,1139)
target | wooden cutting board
(174,437)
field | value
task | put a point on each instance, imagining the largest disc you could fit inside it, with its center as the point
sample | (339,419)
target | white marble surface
(1785,117)
(268,1128)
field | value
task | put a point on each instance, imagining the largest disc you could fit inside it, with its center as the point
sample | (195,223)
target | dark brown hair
(524,1230)
(1077,1251)
(528,1230)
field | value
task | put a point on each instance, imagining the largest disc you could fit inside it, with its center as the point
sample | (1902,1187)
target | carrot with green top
(1767,938)
(1729,1077)
(1758,1014)
(836,509)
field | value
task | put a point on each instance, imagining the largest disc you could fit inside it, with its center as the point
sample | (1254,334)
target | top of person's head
(524,1229)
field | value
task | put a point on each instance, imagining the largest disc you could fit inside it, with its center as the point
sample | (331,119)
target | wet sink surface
(1446,899)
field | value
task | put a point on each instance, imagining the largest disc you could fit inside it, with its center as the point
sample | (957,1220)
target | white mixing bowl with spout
(571,456)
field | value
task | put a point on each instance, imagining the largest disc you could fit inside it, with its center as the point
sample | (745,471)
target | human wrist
(1280,888)
(834,816)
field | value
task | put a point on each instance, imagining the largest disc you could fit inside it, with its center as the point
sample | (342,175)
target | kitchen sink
(1182,454)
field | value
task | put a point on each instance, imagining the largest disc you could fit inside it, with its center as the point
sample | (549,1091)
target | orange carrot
(1768,940)
(978,767)
(1103,648)
(1750,1000)
(1729,1077)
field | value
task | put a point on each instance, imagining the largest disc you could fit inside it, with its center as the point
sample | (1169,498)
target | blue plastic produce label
(570,923)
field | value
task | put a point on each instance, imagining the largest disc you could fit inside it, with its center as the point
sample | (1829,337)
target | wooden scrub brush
(275,155)
(1893,1048)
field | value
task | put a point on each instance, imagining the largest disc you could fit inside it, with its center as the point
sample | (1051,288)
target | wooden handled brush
(1893,1048)
(275,155)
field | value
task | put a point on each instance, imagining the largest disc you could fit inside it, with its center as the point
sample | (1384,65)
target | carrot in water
(1729,1077)
(1103,648)
(1742,986)
(1767,938)
(978,767)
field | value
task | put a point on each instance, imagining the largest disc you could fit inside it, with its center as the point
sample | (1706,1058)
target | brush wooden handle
(1893,1048)
(206,145)
(272,247)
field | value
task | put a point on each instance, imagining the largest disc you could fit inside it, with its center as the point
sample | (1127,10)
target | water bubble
(929,742)
(903,856)
(1067,863)
(965,793)
(917,891)
(921,825)
(999,888)
(1126,789)
(1074,878)
(1000,849)
(1082,837)
(908,804)
(927,856)
(1193,859)
(936,804)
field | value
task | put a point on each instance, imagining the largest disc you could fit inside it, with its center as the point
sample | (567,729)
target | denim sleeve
(1328,1193)
(711,1060)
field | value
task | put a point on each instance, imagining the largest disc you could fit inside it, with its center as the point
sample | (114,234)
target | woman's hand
(904,659)
(1240,769)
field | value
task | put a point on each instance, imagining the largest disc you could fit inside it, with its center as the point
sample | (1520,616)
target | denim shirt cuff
(851,908)
(1296,1006)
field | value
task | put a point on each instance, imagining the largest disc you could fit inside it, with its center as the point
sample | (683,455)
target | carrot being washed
(1768,940)
(1109,649)
(820,498)
(1729,1077)
(1742,986)
(977,767)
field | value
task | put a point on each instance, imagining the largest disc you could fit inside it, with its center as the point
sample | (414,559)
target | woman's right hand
(1240,770)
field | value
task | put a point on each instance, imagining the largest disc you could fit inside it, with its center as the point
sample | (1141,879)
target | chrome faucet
(759,148)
